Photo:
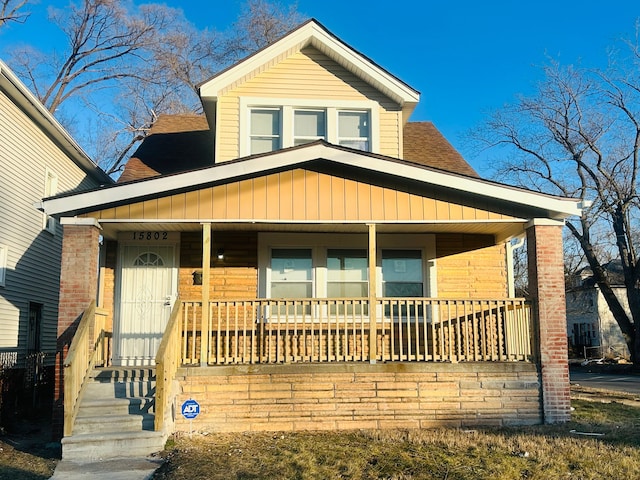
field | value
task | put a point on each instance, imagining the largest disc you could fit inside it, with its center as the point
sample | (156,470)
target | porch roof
(322,157)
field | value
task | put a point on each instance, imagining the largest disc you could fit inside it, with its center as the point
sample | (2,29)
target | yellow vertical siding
(299,195)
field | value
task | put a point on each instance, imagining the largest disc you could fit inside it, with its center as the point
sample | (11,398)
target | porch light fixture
(197,277)
(221,254)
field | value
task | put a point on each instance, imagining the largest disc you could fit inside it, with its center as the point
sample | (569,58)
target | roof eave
(557,208)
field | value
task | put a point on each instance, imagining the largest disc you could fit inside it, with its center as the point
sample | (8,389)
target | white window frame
(288,106)
(320,243)
(50,189)
(4,254)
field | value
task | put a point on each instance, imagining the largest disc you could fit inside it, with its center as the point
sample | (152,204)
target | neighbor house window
(353,129)
(3,265)
(50,189)
(265,130)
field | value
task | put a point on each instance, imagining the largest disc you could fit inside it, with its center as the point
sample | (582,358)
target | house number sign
(147,236)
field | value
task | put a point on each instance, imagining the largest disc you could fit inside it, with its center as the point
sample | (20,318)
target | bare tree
(144,61)
(10,11)
(579,136)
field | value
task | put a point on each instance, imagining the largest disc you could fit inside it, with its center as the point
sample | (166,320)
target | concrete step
(98,446)
(115,417)
(113,423)
(119,406)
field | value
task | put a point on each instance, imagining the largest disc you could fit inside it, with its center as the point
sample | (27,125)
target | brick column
(78,287)
(546,286)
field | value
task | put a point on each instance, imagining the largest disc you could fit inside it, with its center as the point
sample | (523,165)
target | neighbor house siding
(300,195)
(307,74)
(33,266)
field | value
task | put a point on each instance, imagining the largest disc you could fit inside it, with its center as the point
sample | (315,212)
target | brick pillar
(546,285)
(78,287)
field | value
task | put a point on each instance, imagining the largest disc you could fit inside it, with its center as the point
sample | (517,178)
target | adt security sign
(190,409)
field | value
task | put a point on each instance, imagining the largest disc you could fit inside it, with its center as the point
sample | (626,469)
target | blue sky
(466,57)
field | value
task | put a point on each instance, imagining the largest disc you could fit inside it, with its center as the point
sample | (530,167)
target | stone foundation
(360,396)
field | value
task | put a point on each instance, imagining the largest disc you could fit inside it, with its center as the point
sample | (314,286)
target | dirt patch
(27,452)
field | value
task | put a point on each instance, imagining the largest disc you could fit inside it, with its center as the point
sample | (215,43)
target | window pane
(265,122)
(353,124)
(291,290)
(262,145)
(347,290)
(402,273)
(290,265)
(356,144)
(346,265)
(308,123)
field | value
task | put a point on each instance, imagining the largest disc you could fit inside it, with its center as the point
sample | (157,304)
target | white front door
(147,285)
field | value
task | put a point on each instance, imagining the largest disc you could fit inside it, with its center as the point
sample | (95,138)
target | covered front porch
(320,259)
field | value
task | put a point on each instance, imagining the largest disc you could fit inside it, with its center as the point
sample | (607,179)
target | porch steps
(116,417)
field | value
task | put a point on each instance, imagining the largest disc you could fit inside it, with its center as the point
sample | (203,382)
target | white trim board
(557,207)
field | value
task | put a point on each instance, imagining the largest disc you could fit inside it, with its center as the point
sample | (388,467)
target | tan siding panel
(351,196)
(191,209)
(312,196)
(337,198)
(233,204)
(164,207)
(178,204)
(219,202)
(390,204)
(259,198)
(206,203)
(123,211)
(136,211)
(273,194)
(364,201)
(403,206)
(245,201)
(286,195)
(325,197)
(377,202)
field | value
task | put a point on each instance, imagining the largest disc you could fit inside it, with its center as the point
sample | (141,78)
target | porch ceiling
(501,230)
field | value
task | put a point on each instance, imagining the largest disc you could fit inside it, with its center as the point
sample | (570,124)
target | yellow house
(302,257)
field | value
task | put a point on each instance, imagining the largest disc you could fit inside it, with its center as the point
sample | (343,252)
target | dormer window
(265,130)
(309,126)
(353,130)
(273,124)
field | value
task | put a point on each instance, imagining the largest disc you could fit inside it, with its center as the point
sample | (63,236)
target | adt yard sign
(190,409)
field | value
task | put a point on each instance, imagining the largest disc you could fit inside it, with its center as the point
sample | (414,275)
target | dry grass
(27,453)
(540,452)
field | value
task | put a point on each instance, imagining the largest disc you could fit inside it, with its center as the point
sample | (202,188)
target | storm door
(148,278)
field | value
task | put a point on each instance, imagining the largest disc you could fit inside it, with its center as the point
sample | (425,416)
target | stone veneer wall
(359,396)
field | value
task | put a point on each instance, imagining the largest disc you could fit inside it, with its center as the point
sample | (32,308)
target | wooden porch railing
(338,330)
(87,349)
(167,363)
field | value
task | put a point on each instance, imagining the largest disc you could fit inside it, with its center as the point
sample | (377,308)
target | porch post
(78,288)
(373,307)
(546,284)
(206,283)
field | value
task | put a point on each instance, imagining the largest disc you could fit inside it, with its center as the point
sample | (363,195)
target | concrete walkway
(111,469)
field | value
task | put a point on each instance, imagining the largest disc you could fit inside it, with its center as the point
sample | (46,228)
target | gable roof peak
(313,33)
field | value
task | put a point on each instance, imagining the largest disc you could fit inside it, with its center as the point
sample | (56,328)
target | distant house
(38,158)
(592,330)
(304,257)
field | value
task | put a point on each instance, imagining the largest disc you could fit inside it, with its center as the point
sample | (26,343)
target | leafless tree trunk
(579,136)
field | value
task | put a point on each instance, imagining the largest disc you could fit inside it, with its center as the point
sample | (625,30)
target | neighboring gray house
(38,158)
(592,330)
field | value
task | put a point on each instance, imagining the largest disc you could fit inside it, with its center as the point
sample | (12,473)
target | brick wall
(470,266)
(546,285)
(345,397)
(78,282)
(234,277)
